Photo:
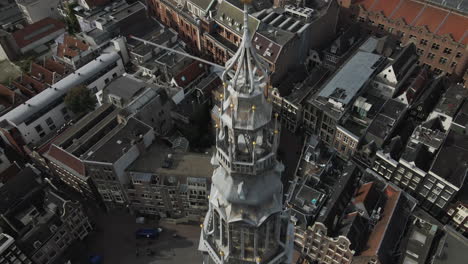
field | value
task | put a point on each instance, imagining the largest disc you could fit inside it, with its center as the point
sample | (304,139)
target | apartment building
(458,217)
(437,28)
(42,222)
(446,175)
(44,113)
(10,253)
(325,109)
(64,154)
(369,233)
(170,185)
(35,10)
(449,104)
(282,36)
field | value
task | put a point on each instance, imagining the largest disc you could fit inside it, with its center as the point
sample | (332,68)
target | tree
(79,100)
(72,22)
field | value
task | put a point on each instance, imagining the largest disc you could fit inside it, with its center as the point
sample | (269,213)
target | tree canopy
(79,100)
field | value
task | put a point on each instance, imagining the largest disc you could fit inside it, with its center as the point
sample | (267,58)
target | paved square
(114,240)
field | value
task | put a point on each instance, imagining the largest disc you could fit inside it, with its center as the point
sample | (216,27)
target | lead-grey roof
(227,11)
(349,80)
(203,4)
(125,87)
(23,111)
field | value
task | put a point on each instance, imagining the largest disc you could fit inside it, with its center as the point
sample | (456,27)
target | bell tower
(245,222)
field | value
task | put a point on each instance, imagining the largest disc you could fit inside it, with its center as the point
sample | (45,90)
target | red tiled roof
(431,17)
(42,73)
(35,84)
(66,159)
(367,4)
(29,92)
(71,47)
(262,44)
(408,10)
(189,74)
(55,66)
(454,26)
(33,32)
(377,235)
(7,94)
(438,20)
(386,6)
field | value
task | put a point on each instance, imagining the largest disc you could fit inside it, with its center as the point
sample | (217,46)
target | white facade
(44,113)
(35,10)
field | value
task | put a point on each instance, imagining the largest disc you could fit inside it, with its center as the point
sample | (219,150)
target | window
(430,55)
(435,46)
(453,64)
(106,81)
(38,128)
(423,42)
(437,71)
(459,55)
(390,30)
(447,51)
(420,51)
(443,60)
(412,36)
(381,27)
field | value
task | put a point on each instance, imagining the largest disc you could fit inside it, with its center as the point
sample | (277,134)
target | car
(147,233)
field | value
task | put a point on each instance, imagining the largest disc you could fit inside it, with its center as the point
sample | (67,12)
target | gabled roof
(66,159)
(451,163)
(228,15)
(42,73)
(203,4)
(36,31)
(94,3)
(55,66)
(71,47)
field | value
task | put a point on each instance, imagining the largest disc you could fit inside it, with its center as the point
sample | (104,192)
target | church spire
(242,69)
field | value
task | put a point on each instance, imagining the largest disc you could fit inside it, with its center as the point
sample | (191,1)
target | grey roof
(452,100)
(344,85)
(451,163)
(125,87)
(119,140)
(227,11)
(60,88)
(419,242)
(384,123)
(453,248)
(203,4)
(462,116)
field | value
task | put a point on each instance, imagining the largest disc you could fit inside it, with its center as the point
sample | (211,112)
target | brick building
(437,28)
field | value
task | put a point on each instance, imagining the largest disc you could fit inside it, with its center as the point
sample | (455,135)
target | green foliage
(71,20)
(80,101)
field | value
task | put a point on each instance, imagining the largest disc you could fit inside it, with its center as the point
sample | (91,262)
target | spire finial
(245,64)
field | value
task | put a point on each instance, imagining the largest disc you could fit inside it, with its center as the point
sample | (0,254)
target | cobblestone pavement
(114,240)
